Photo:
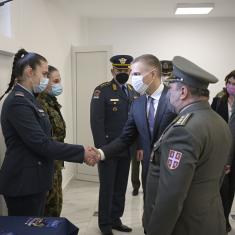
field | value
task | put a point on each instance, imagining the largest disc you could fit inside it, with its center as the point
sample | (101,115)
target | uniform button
(39,163)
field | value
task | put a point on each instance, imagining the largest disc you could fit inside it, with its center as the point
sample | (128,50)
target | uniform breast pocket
(44,121)
(114,106)
(42,114)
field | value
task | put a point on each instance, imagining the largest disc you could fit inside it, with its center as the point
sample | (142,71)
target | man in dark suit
(150,114)
(109,111)
(166,67)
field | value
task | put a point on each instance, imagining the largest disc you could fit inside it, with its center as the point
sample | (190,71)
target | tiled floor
(80,202)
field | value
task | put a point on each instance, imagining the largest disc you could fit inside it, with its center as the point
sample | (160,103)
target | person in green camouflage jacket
(49,103)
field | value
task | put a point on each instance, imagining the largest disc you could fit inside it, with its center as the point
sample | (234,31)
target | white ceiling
(142,8)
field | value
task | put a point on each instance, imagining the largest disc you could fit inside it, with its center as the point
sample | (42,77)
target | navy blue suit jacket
(137,125)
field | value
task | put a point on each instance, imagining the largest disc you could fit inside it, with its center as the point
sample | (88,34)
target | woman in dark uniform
(27,170)
(222,104)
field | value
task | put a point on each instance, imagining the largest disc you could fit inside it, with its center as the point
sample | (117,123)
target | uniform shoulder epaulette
(99,89)
(130,87)
(221,94)
(19,94)
(104,84)
(183,120)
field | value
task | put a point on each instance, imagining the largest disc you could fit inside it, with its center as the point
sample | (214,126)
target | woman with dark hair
(50,105)
(222,104)
(27,170)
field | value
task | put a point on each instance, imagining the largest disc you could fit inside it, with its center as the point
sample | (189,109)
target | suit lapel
(143,113)
(162,107)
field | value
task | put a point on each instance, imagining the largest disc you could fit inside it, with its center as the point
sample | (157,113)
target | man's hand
(92,156)
(139,155)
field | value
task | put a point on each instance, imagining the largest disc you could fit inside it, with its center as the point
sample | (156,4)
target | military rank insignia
(181,121)
(96,94)
(122,60)
(173,160)
(19,93)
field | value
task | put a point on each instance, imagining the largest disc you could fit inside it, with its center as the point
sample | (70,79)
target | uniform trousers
(29,205)
(113,175)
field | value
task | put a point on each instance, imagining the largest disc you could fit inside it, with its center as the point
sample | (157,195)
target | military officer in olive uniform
(183,185)
(50,105)
(108,114)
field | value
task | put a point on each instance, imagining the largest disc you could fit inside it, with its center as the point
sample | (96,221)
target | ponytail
(21,60)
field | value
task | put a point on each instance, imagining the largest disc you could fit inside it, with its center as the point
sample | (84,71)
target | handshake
(91,156)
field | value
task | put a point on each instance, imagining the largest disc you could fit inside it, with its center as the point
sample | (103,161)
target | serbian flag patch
(173,160)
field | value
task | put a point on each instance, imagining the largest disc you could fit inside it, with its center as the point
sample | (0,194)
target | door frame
(3,208)
(75,51)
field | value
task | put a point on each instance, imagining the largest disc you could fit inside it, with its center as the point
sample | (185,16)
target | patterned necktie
(151,115)
(124,89)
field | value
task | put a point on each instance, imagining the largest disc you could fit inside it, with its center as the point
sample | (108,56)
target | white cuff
(102,156)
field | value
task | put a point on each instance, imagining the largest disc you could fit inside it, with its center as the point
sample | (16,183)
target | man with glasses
(187,163)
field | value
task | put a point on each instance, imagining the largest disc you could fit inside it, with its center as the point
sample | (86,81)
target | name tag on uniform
(114,100)
(41,111)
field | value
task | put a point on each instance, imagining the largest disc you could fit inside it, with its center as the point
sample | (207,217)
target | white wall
(49,28)
(207,42)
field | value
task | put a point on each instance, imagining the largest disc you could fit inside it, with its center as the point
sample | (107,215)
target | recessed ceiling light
(194,9)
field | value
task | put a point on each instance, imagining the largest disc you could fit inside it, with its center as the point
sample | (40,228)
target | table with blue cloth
(16,225)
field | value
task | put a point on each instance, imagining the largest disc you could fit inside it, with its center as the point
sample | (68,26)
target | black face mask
(122,77)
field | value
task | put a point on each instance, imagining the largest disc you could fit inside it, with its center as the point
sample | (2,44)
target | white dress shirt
(156,96)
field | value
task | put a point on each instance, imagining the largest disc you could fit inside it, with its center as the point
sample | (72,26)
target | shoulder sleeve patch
(96,94)
(221,94)
(183,120)
(19,93)
(174,158)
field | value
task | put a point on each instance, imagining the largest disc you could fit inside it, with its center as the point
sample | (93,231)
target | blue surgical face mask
(56,89)
(138,84)
(42,85)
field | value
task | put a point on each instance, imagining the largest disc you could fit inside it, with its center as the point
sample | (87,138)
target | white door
(5,74)
(91,68)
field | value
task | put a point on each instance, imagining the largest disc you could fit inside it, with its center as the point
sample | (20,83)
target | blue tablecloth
(15,225)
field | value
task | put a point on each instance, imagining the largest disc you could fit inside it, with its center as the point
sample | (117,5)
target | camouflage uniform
(54,200)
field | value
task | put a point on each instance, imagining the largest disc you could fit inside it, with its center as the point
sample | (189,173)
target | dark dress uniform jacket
(28,165)
(183,184)
(232,154)
(220,105)
(137,124)
(109,112)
